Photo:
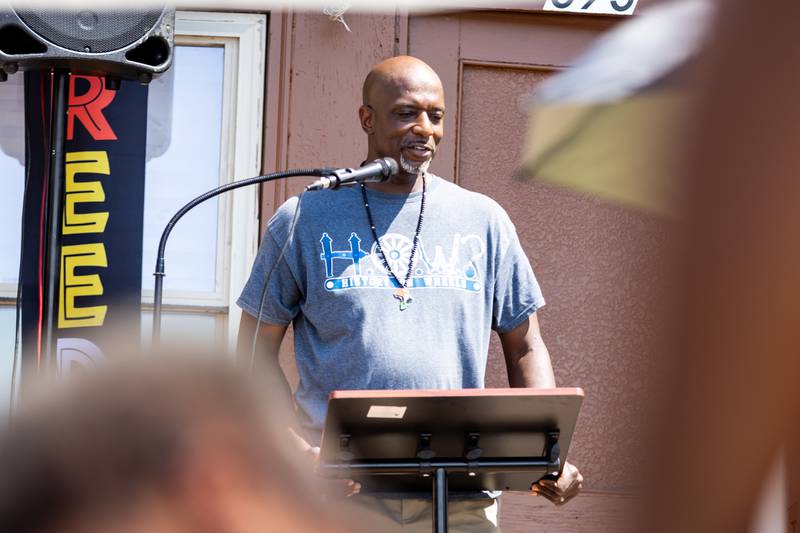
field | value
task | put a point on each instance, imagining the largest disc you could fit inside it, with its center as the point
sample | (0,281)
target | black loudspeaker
(131,44)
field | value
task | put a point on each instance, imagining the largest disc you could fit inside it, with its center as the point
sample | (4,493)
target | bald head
(403,117)
(398,71)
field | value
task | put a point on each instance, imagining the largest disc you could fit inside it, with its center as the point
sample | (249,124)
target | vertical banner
(99,289)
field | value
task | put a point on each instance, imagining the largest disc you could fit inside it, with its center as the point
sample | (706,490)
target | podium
(448,440)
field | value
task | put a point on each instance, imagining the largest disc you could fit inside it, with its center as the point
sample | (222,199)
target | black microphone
(378,171)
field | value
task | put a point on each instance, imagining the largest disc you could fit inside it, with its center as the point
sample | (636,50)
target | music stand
(440,440)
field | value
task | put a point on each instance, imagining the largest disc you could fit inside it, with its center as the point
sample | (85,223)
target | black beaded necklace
(402,293)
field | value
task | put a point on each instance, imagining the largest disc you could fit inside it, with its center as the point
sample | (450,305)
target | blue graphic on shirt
(354,255)
(455,269)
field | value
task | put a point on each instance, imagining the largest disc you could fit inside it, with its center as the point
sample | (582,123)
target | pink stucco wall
(597,267)
(602,276)
(314,82)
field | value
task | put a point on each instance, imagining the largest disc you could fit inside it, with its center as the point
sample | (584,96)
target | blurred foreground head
(158,445)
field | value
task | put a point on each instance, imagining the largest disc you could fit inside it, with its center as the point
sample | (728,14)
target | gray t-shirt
(470,276)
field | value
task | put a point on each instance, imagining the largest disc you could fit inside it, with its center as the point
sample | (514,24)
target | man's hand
(334,487)
(562,490)
(331,487)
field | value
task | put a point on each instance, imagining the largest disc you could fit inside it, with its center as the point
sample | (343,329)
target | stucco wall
(316,68)
(597,264)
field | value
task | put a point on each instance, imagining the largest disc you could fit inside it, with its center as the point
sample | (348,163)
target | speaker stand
(54,212)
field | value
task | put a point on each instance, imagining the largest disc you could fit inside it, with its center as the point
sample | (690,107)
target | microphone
(378,171)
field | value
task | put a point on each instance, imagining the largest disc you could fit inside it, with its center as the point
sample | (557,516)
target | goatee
(414,168)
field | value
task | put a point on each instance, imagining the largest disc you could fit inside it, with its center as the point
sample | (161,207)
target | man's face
(405,120)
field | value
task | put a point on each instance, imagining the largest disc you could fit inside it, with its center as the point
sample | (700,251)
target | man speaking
(398,285)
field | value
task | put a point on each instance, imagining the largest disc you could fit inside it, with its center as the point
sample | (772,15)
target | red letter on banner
(88,108)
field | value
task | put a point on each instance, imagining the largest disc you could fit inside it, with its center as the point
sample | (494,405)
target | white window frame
(8,291)
(243,37)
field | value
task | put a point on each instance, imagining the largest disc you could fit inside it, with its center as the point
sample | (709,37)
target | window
(204,129)
(216,86)
(12,185)
(12,177)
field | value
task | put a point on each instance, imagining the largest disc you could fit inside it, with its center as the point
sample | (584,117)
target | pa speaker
(132,44)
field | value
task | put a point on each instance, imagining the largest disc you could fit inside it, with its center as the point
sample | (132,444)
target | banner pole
(55,210)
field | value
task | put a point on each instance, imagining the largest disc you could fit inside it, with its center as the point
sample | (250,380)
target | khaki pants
(415,515)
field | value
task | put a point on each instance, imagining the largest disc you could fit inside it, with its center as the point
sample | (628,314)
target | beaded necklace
(401,293)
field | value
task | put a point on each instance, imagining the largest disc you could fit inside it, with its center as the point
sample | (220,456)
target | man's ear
(367,117)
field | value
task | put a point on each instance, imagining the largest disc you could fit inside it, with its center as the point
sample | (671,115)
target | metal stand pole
(425,463)
(440,501)
(55,210)
(472,463)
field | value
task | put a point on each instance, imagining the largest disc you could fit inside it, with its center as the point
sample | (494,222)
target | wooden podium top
(456,393)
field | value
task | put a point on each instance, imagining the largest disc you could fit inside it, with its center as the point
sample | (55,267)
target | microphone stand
(159,271)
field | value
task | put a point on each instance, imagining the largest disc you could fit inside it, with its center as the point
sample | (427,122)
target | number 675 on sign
(597,7)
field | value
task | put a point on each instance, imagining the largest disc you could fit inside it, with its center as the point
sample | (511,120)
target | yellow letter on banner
(84,191)
(74,286)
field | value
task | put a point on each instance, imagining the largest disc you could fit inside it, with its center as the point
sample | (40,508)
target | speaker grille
(88,30)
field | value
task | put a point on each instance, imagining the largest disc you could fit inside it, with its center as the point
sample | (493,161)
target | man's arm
(265,360)
(528,365)
(527,360)
(265,355)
